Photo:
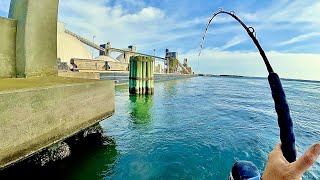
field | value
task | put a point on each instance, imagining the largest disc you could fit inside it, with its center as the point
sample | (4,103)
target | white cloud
(294,15)
(152,25)
(287,65)
(135,3)
(299,11)
(233,42)
(300,38)
(285,11)
(121,27)
(126,22)
(145,15)
(148,26)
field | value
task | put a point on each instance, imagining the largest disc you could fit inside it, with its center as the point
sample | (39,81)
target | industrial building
(73,54)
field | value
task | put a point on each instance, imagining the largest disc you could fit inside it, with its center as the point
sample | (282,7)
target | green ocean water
(195,129)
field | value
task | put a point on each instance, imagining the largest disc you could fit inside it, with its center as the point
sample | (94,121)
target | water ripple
(196,128)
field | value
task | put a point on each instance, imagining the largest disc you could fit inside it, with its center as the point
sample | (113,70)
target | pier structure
(170,60)
(141,76)
(39,109)
(172,63)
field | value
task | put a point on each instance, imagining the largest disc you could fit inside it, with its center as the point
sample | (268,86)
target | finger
(277,150)
(297,151)
(276,154)
(307,159)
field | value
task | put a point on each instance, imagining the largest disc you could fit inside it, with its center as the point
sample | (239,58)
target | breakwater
(41,111)
(123,77)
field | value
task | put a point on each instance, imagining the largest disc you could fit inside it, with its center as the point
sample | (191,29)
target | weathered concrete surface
(81,75)
(99,65)
(123,77)
(8,31)
(36,48)
(169,77)
(37,112)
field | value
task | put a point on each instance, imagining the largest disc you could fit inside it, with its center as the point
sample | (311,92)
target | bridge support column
(36,43)
(141,75)
(151,87)
(148,75)
(144,75)
(107,50)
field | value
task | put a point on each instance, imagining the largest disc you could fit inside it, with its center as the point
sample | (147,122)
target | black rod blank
(282,108)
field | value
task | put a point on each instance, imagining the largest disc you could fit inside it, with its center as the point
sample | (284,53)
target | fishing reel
(244,170)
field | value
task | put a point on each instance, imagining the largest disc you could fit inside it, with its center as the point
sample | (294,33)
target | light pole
(92,48)
(154,63)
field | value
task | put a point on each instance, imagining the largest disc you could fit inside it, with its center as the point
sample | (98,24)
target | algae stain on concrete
(38,103)
(8,31)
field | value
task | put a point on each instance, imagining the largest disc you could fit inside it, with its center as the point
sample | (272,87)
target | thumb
(307,159)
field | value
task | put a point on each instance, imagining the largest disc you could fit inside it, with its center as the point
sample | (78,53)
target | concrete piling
(152,78)
(141,75)
(148,81)
(36,39)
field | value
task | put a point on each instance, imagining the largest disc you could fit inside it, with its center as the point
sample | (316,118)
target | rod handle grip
(284,120)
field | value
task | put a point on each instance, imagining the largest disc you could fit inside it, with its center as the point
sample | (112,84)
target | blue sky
(288,30)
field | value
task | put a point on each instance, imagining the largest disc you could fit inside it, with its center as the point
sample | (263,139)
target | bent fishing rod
(281,106)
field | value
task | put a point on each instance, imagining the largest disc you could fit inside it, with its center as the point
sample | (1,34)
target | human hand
(279,168)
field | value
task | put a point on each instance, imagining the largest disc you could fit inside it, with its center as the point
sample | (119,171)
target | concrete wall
(8,30)
(169,77)
(81,75)
(37,112)
(89,64)
(100,65)
(117,66)
(36,50)
(123,77)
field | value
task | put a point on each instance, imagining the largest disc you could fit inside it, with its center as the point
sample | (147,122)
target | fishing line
(281,106)
(198,65)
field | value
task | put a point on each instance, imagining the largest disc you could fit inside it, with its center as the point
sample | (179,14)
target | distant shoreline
(239,76)
(221,75)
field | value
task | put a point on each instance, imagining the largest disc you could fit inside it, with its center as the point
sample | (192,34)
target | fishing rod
(281,106)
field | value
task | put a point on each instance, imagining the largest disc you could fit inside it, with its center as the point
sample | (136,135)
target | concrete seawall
(38,112)
(80,75)
(39,108)
(123,78)
(8,30)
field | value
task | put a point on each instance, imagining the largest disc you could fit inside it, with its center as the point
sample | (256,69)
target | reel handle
(284,120)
